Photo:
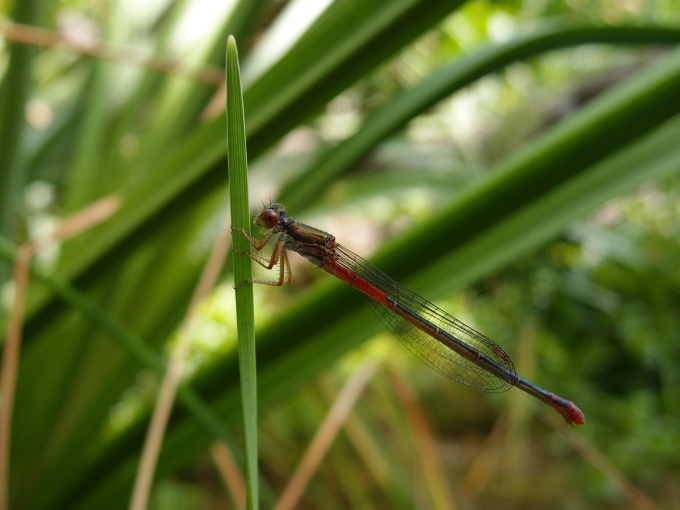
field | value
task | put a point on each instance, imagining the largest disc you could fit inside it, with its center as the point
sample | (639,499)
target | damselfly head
(271,216)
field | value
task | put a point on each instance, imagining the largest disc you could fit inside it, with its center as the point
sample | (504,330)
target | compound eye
(268,218)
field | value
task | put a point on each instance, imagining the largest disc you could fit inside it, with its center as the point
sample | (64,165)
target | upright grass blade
(245,313)
(15,88)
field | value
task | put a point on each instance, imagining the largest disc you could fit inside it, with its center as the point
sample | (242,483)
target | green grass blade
(394,115)
(245,313)
(135,345)
(15,89)
(321,64)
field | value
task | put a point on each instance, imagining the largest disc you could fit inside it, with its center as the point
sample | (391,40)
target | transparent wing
(437,355)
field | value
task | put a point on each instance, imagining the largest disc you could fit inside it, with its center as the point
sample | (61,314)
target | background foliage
(515,161)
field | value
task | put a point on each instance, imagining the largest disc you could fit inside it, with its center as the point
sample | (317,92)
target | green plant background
(515,161)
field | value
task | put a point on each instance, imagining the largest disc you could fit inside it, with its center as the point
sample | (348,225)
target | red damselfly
(437,338)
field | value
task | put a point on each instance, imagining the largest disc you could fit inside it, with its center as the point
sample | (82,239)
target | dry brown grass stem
(168,391)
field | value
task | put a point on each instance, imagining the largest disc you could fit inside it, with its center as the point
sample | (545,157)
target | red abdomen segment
(572,414)
(356,281)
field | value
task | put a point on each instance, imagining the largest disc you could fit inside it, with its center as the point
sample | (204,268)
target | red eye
(268,218)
